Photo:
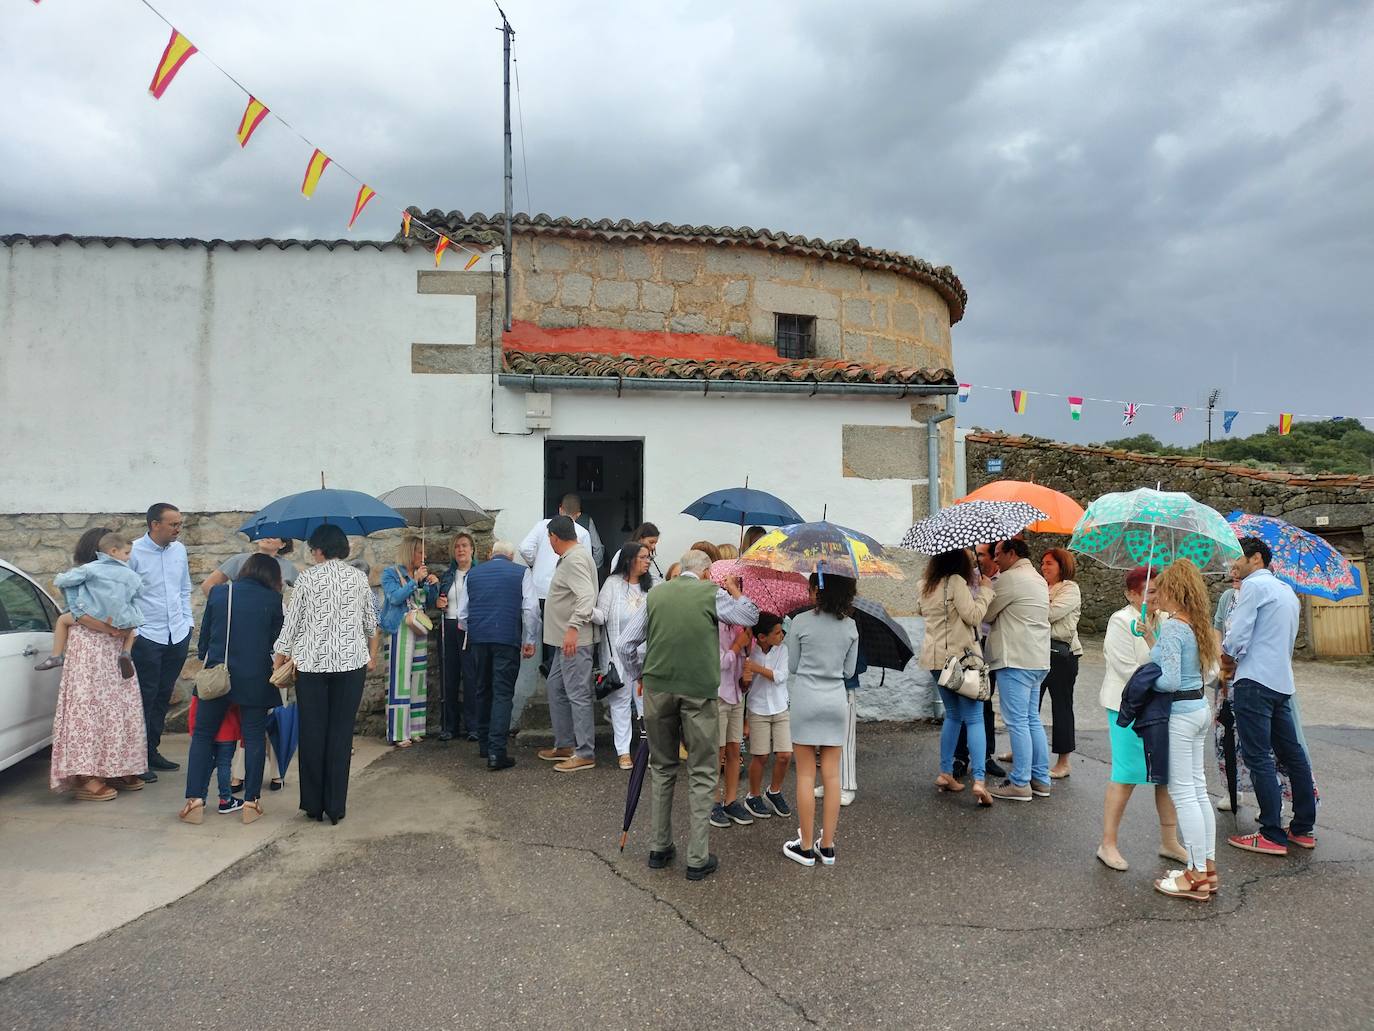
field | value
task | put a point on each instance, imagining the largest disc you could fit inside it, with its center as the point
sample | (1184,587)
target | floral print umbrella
(771,591)
(1152,528)
(1302,560)
(825,548)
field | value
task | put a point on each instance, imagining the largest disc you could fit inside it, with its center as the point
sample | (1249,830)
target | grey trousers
(572,705)
(670,720)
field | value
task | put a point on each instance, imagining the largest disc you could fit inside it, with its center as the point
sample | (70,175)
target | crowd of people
(694,661)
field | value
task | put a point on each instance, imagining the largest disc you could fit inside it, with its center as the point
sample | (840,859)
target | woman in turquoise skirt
(1124,651)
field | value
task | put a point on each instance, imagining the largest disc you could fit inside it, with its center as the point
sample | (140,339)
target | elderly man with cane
(670,651)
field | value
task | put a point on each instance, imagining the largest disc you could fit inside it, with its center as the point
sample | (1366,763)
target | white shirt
(768,697)
(455,589)
(539,554)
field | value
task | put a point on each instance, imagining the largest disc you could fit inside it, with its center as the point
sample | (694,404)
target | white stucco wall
(222,379)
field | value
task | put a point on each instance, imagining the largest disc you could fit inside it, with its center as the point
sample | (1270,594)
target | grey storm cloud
(1145,200)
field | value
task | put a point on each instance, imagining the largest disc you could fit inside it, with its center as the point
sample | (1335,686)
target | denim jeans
(1197,826)
(224,762)
(1030,752)
(205,756)
(490,680)
(964,714)
(1265,728)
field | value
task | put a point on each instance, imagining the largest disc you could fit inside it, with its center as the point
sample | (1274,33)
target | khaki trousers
(670,720)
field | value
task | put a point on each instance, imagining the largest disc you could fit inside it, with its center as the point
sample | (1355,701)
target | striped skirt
(406,696)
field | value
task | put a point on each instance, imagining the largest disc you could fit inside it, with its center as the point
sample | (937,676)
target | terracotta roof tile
(187,242)
(545,363)
(489,229)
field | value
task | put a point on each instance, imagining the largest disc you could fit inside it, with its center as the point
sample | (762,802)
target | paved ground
(455,898)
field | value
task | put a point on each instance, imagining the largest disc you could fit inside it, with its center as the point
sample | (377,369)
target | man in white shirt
(540,557)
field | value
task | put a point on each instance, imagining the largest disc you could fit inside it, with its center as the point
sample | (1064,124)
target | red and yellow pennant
(405,223)
(319,161)
(178,52)
(476,257)
(253,115)
(365,194)
(439,249)
(1285,424)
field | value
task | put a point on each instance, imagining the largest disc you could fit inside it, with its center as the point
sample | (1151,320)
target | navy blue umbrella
(743,506)
(299,515)
(283,730)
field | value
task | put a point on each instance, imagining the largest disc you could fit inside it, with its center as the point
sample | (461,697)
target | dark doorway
(608,475)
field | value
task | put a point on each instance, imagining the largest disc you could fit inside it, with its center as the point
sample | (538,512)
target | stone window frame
(795,338)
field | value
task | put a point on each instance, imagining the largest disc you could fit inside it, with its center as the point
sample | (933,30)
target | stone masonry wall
(1086,473)
(41,544)
(867,315)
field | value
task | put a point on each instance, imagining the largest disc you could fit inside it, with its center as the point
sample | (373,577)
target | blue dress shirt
(1264,625)
(166,595)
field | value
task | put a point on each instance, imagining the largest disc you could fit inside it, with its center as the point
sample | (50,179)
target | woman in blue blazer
(257,620)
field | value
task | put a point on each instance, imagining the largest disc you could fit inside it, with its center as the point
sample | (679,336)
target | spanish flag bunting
(964,390)
(476,257)
(253,115)
(405,223)
(178,52)
(1076,408)
(439,249)
(318,162)
(1285,423)
(1018,402)
(365,194)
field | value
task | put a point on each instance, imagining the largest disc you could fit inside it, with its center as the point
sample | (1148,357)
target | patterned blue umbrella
(1302,560)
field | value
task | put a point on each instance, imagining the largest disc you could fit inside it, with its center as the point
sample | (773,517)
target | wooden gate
(1341,628)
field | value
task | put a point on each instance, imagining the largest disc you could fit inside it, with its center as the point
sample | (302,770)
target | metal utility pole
(1212,400)
(507,34)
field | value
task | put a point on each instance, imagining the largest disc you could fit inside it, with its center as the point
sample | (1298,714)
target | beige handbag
(214,681)
(965,674)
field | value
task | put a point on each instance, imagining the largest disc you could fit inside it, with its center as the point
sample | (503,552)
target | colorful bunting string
(319,161)
(365,194)
(964,389)
(1075,408)
(253,115)
(1128,413)
(1018,402)
(1179,413)
(439,249)
(1285,423)
(178,52)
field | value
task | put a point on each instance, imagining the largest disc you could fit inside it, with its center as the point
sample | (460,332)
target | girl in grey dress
(822,650)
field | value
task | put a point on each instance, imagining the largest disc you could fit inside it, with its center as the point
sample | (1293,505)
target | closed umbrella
(1061,511)
(635,788)
(283,729)
(968,524)
(1226,716)
(441,508)
(297,516)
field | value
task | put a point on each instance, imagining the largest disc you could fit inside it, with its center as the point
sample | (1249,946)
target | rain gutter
(933,449)
(808,388)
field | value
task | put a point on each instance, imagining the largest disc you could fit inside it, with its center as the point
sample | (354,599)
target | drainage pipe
(933,451)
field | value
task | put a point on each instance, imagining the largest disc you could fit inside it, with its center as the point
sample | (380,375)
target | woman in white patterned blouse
(330,633)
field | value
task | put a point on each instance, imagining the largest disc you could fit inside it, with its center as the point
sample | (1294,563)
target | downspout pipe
(933,451)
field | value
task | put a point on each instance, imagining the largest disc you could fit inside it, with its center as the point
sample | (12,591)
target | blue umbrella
(299,515)
(283,727)
(742,506)
(1302,560)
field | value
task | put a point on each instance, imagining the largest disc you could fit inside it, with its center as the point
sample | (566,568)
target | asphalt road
(454,898)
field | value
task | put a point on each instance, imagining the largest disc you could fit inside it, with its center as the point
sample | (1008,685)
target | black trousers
(327,705)
(157,666)
(493,671)
(1059,683)
(460,708)
(989,725)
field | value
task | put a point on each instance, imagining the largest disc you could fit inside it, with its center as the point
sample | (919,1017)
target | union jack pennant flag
(1129,413)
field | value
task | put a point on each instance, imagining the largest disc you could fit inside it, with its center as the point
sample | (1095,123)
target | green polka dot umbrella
(1152,528)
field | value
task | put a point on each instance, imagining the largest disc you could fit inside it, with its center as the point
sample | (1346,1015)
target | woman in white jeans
(1187,646)
(622,595)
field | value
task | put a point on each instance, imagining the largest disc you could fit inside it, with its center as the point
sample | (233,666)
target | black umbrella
(636,785)
(1226,716)
(882,640)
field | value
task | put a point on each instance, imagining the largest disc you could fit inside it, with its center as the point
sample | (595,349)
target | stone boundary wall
(41,544)
(1345,503)
(866,315)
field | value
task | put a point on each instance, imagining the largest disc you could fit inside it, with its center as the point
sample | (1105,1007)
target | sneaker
(739,814)
(793,850)
(1009,792)
(1040,788)
(700,873)
(1257,842)
(718,817)
(575,765)
(626,762)
(847,797)
(658,860)
(1306,841)
(825,855)
(757,807)
(158,761)
(820,791)
(994,769)
(549,755)
(779,803)
(230,805)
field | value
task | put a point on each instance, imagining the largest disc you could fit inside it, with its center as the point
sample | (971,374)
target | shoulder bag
(415,616)
(965,674)
(214,681)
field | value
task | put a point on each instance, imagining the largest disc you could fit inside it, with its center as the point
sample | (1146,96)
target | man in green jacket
(671,651)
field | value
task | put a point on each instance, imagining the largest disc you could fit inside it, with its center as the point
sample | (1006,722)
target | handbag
(213,682)
(1059,649)
(416,618)
(284,676)
(965,674)
(606,681)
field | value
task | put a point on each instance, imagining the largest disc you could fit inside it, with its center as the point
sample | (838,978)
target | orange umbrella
(1063,511)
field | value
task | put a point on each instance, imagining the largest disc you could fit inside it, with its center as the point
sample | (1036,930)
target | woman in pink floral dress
(99,743)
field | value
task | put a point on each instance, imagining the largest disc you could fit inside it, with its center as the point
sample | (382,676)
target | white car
(27,698)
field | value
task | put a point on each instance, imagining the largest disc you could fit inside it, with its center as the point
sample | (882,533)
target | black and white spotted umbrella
(968,524)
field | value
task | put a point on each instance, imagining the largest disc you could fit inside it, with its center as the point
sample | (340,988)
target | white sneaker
(847,797)
(820,791)
(793,850)
(1224,805)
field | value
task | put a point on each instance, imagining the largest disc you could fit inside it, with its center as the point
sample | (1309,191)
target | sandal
(980,792)
(235,786)
(94,790)
(1185,884)
(193,811)
(252,810)
(403,744)
(946,782)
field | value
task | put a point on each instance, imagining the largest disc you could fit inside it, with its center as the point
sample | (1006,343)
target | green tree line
(1332,446)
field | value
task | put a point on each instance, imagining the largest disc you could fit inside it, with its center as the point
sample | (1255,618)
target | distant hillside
(1333,446)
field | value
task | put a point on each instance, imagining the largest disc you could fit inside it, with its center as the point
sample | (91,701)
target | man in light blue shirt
(159,652)
(1263,627)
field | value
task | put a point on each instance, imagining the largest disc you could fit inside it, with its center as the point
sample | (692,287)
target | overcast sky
(1144,199)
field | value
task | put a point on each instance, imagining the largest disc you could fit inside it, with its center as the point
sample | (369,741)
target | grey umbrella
(441,508)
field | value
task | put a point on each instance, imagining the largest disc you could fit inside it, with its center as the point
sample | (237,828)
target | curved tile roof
(545,363)
(489,229)
(187,242)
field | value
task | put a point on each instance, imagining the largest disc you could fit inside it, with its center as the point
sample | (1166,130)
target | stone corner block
(883,452)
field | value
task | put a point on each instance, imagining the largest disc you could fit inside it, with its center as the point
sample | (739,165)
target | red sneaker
(1301,840)
(1257,843)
